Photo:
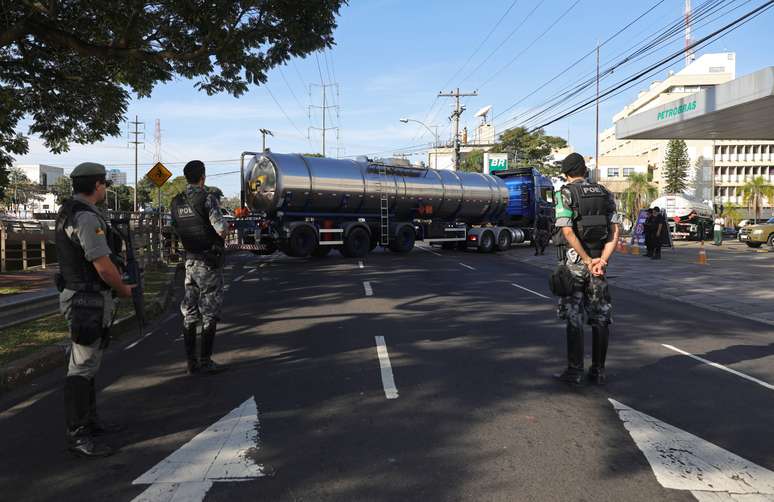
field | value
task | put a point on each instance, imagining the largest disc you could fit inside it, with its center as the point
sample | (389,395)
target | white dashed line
(240,278)
(262,264)
(527,289)
(252,270)
(368,289)
(136,342)
(467,266)
(720,367)
(388,381)
(360,264)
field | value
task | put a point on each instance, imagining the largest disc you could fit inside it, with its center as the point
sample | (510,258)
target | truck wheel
(356,243)
(486,242)
(754,244)
(403,241)
(504,240)
(771,241)
(302,241)
(321,251)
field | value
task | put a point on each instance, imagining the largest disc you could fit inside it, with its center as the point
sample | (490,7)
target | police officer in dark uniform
(648,228)
(588,232)
(659,230)
(543,231)
(197,220)
(87,247)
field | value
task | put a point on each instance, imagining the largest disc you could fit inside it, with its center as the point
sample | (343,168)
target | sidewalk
(736,281)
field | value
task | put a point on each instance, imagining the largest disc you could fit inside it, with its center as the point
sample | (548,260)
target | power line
(528,47)
(743,19)
(283,112)
(298,102)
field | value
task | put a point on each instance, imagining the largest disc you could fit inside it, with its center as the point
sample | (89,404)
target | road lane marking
(218,454)
(682,461)
(388,381)
(252,270)
(527,289)
(240,277)
(720,367)
(262,264)
(136,342)
(368,289)
(429,250)
(360,264)
(467,266)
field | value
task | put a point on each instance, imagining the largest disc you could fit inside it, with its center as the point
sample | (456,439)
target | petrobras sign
(677,110)
(495,162)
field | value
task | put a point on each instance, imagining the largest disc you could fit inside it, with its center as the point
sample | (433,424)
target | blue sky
(391,59)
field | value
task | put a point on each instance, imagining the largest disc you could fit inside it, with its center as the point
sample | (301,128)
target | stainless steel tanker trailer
(310,205)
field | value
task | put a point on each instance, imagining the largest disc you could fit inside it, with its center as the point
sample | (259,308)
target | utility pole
(324,110)
(596,138)
(264,132)
(455,116)
(136,137)
(688,40)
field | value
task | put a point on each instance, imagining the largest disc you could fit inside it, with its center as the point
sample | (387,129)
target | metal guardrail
(29,308)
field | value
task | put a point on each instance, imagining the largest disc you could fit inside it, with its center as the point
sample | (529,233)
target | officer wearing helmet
(87,249)
(588,232)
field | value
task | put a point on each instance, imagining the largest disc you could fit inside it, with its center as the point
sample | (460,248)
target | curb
(664,296)
(33,365)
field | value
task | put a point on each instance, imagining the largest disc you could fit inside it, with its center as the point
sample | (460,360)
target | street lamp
(264,132)
(435,136)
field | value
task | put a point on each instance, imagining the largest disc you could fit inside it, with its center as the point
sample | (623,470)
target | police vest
(189,217)
(78,272)
(591,222)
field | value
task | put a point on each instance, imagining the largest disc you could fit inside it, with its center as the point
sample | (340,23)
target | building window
(612,172)
(628,171)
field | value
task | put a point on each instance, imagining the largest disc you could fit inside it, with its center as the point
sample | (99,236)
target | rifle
(132,274)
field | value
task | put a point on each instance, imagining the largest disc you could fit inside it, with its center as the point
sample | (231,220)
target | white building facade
(117,176)
(41,174)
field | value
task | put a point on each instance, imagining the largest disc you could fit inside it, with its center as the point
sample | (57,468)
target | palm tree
(753,193)
(731,213)
(639,192)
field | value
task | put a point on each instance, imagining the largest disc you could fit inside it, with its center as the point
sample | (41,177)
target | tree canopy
(69,66)
(530,148)
(676,166)
(473,161)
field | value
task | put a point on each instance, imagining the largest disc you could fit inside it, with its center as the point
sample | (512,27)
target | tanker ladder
(384,209)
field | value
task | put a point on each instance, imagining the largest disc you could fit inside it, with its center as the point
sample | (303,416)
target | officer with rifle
(87,249)
(588,232)
(197,220)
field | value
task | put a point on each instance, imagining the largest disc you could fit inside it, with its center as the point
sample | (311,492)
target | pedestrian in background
(659,223)
(85,243)
(543,229)
(648,228)
(197,220)
(588,232)
(719,224)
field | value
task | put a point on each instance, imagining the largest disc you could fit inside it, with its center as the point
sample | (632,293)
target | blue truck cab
(529,193)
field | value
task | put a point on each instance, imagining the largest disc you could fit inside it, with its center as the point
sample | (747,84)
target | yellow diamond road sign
(158,174)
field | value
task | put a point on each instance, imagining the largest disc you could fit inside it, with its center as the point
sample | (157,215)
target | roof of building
(740,109)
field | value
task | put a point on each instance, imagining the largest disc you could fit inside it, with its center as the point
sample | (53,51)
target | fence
(26,244)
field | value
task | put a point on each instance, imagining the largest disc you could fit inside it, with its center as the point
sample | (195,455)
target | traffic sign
(158,174)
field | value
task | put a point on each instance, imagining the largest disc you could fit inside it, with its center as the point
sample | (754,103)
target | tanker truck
(687,217)
(307,206)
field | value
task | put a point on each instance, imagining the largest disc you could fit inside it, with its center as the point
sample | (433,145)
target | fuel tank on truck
(309,186)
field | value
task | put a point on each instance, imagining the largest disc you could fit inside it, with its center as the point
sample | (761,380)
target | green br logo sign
(498,165)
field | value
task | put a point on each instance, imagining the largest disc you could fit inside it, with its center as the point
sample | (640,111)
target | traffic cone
(636,249)
(702,254)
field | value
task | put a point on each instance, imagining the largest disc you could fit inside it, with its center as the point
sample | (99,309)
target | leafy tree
(473,161)
(62,188)
(637,195)
(70,66)
(169,190)
(754,192)
(676,166)
(530,148)
(230,203)
(731,212)
(21,191)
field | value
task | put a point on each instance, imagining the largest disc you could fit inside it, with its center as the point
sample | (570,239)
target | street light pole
(264,132)
(435,136)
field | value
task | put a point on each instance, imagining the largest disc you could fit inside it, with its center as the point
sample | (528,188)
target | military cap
(88,169)
(573,162)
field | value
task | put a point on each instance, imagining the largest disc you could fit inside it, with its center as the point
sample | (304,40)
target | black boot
(97,426)
(601,336)
(206,364)
(77,408)
(189,340)
(574,372)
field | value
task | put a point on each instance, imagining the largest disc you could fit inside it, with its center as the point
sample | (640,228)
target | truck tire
(403,240)
(504,240)
(754,244)
(356,243)
(771,241)
(321,251)
(486,242)
(302,241)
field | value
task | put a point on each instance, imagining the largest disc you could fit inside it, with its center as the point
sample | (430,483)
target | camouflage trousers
(589,303)
(203,293)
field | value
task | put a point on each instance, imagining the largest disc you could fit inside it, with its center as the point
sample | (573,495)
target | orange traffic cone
(702,254)
(636,249)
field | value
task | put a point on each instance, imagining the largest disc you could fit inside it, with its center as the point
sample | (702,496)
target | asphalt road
(477,416)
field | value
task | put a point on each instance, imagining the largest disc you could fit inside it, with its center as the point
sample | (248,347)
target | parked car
(755,235)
